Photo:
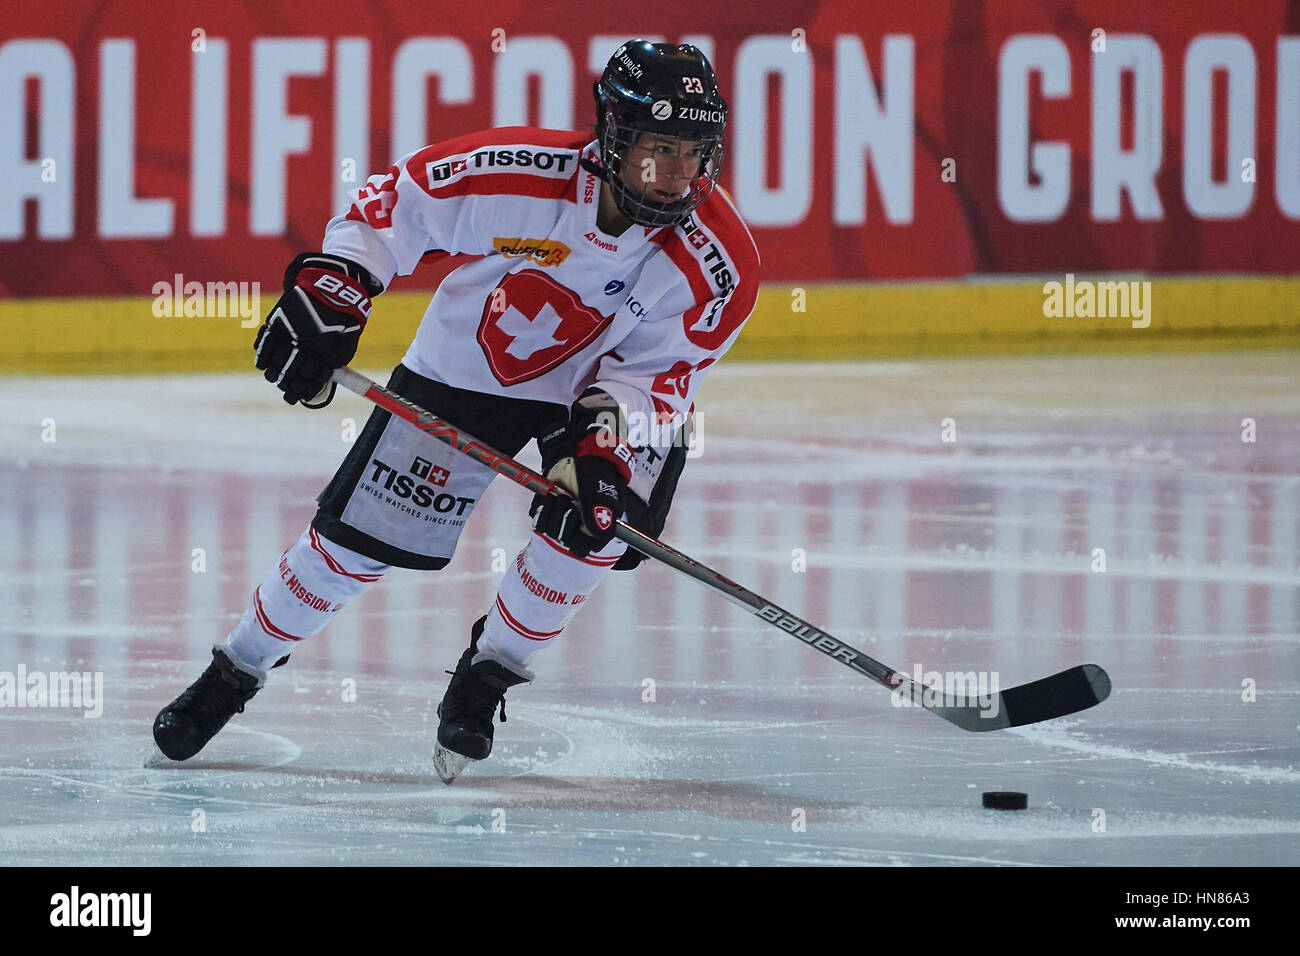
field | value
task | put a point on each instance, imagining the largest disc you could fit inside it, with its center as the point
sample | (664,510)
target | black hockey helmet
(658,88)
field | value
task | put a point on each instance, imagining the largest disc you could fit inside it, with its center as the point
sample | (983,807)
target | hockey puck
(1006,800)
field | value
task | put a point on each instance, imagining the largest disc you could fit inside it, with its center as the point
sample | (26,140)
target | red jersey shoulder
(509,161)
(717,255)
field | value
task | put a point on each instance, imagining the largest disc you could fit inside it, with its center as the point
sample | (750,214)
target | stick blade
(1067,692)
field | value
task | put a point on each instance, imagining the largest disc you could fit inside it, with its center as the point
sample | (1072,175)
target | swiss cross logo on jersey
(531,324)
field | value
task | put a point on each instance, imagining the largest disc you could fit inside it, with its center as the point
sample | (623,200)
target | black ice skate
(185,726)
(466,712)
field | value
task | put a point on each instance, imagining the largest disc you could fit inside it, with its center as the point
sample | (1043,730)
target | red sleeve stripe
(719,213)
(723,225)
(513,623)
(537,182)
(728,230)
(509,184)
(722,220)
(704,292)
(701,286)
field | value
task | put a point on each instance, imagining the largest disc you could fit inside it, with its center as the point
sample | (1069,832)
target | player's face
(662,167)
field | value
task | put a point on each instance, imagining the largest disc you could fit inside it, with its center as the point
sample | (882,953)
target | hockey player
(612,275)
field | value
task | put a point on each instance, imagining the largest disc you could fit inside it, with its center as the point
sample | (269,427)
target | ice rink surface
(827,488)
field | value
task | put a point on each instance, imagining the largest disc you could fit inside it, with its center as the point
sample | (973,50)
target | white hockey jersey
(554,305)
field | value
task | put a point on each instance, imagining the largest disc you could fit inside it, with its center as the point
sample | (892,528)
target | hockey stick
(1075,689)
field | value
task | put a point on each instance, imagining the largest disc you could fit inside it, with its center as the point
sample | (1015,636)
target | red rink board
(1188,94)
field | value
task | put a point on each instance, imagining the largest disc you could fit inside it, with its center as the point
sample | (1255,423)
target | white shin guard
(298,597)
(543,590)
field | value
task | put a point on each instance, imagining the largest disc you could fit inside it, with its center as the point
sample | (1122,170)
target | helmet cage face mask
(660,124)
(638,159)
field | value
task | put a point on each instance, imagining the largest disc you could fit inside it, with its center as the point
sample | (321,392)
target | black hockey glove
(592,460)
(315,326)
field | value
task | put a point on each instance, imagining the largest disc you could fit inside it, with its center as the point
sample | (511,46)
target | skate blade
(448,764)
(156,758)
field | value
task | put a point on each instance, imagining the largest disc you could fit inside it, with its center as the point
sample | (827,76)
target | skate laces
(471,696)
(214,693)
